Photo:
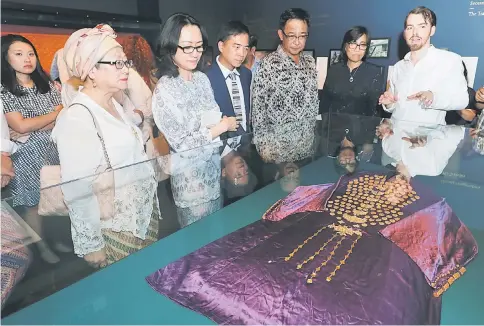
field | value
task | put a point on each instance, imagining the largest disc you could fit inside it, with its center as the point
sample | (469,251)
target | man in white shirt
(8,147)
(428,81)
(230,80)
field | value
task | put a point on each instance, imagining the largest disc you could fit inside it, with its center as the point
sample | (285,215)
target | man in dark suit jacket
(230,80)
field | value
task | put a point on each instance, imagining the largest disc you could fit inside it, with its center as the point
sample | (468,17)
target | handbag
(52,201)
(159,142)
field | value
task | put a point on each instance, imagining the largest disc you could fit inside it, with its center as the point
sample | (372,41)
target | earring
(94,85)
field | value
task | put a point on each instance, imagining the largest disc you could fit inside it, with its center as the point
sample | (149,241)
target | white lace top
(194,163)
(81,156)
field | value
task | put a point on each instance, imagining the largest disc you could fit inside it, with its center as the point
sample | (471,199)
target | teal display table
(119,294)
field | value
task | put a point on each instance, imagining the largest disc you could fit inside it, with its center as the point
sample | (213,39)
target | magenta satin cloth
(243,277)
(436,240)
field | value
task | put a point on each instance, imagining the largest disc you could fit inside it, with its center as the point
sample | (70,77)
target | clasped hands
(230,123)
(425,97)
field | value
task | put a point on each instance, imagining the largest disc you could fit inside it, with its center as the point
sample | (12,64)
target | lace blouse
(81,156)
(194,163)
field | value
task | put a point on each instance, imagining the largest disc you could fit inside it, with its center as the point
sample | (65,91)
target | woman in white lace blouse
(185,111)
(101,67)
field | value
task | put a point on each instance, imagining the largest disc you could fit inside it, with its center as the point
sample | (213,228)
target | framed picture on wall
(311,53)
(379,48)
(334,57)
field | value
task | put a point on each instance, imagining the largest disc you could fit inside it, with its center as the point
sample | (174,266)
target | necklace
(353,74)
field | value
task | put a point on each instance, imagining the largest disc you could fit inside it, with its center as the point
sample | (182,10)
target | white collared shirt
(228,81)
(231,144)
(440,72)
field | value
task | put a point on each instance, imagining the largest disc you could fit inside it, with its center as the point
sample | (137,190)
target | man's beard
(415,46)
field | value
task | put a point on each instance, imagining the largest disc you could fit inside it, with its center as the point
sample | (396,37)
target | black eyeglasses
(292,38)
(120,64)
(190,49)
(353,46)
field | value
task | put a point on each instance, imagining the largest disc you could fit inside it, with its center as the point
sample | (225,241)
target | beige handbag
(51,198)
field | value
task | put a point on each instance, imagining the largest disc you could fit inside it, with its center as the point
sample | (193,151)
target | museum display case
(362,219)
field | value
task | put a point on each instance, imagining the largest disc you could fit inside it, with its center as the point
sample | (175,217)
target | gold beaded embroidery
(367,201)
(458,272)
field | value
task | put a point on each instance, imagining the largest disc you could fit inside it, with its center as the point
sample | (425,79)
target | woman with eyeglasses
(94,134)
(185,111)
(353,85)
(350,96)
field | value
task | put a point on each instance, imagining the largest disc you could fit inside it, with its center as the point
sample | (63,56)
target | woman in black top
(353,86)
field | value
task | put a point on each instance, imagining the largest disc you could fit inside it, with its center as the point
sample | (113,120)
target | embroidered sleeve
(302,199)
(173,120)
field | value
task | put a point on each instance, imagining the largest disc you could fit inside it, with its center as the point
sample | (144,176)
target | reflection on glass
(300,160)
(195,182)
(288,176)
(419,150)
(238,180)
(289,142)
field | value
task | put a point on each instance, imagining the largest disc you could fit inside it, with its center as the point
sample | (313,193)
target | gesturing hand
(384,129)
(480,95)
(416,141)
(387,99)
(426,98)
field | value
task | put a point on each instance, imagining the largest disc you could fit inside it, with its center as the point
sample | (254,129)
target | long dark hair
(353,35)
(9,76)
(168,43)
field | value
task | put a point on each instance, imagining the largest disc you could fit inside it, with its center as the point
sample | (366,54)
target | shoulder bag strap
(99,133)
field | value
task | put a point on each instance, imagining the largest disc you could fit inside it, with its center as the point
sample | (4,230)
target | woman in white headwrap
(135,99)
(97,62)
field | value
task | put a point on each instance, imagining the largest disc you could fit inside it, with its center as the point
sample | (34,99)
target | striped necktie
(236,98)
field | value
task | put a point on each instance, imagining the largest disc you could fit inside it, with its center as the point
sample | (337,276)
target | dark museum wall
(123,7)
(211,13)
(457,30)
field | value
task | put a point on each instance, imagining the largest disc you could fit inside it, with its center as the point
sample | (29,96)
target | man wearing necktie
(231,80)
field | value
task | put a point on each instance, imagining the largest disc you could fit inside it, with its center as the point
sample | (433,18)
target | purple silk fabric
(302,199)
(243,278)
(436,240)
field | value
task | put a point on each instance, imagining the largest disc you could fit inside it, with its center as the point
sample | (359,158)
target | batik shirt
(284,106)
